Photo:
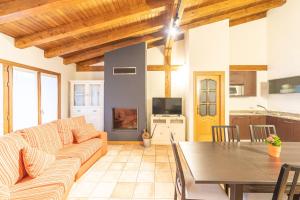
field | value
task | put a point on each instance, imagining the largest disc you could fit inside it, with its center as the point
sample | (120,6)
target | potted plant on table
(274,145)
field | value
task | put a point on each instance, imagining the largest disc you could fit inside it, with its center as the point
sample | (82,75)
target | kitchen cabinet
(246,78)
(288,130)
(243,123)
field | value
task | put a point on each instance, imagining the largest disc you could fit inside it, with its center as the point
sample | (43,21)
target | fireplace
(125,118)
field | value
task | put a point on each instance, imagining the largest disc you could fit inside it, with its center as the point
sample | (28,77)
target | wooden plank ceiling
(81,31)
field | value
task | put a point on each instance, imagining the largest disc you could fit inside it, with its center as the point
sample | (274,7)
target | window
(30,96)
(25,98)
(208,98)
(1,101)
(49,98)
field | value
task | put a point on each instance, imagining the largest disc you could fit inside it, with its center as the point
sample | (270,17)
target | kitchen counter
(285,115)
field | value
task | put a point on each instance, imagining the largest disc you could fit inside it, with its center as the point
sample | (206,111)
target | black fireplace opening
(125,118)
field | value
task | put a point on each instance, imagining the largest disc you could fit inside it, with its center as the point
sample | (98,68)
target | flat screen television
(167,106)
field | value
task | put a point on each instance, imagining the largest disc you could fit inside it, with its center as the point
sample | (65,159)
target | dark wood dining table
(237,164)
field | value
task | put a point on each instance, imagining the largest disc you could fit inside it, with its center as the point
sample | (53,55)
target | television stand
(163,125)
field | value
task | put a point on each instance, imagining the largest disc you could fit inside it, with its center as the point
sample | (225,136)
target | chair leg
(296,197)
(226,187)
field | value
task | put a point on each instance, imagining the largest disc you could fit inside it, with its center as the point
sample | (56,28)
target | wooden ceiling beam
(218,7)
(95,23)
(101,50)
(13,10)
(246,19)
(156,43)
(100,68)
(136,29)
(251,10)
(90,68)
(91,61)
(248,67)
(162,67)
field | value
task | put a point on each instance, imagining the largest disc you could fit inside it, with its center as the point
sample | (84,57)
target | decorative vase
(274,151)
(146,138)
(147,143)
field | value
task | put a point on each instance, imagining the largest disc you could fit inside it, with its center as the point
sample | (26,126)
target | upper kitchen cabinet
(243,83)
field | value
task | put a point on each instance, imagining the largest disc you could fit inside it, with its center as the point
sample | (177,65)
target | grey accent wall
(125,91)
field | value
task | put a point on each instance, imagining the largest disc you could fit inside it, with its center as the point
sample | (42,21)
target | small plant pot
(147,143)
(274,151)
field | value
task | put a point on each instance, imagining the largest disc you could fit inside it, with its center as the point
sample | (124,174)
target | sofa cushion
(83,151)
(11,167)
(4,192)
(84,133)
(47,192)
(61,172)
(65,127)
(36,161)
(44,137)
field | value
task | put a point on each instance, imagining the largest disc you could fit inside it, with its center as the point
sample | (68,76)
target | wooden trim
(8,91)
(7,98)
(39,93)
(221,74)
(59,96)
(248,67)
(125,142)
(168,81)
(10,63)
(246,19)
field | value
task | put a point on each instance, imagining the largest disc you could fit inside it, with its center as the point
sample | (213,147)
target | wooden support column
(168,76)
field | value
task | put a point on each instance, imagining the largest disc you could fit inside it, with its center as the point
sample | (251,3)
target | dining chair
(259,133)
(281,186)
(282,190)
(226,133)
(186,189)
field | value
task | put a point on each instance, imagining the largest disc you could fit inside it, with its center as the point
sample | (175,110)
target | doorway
(209,103)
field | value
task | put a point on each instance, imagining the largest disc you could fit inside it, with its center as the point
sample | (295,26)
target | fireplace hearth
(125,118)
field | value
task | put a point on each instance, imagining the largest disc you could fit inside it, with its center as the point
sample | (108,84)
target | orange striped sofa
(72,160)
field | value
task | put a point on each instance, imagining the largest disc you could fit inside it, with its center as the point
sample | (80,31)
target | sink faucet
(263,108)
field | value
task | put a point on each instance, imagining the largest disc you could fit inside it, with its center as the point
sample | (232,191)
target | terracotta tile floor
(129,172)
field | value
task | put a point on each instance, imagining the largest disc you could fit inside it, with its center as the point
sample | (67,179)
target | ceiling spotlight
(173,31)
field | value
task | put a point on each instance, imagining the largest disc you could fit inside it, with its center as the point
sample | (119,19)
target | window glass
(1,100)
(79,95)
(95,94)
(25,98)
(49,97)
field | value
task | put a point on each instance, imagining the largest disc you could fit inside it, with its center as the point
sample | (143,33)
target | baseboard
(125,142)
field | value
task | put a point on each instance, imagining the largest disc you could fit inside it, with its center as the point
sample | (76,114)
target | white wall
(35,57)
(207,49)
(248,46)
(89,76)
(284,52)
(156,79)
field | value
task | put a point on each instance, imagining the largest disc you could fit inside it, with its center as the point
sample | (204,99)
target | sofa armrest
(103,135)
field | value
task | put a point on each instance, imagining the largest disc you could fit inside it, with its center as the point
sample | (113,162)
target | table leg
(236,192)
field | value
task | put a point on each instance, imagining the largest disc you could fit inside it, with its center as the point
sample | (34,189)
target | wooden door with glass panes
(207,105)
